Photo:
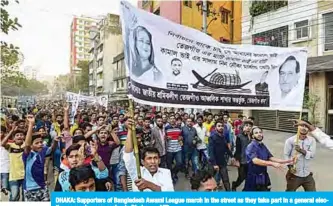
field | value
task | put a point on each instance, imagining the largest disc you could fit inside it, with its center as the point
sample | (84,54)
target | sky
(44,38)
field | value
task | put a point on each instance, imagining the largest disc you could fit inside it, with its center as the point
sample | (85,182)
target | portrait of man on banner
(289,74)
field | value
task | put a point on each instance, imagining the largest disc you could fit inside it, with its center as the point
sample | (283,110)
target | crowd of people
(94,151)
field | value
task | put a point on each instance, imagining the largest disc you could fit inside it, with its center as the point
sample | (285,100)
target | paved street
(322,166)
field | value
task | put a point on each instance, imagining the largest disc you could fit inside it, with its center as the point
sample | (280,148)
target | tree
(83,80)
(310,102)
(9,53)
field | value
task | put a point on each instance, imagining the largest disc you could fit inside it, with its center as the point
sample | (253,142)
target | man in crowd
(203,181)
(153,178)
(300,173)
(242,141)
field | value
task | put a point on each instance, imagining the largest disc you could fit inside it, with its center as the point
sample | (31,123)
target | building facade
(31,72)
(106,43)
(296,24)
(119,94)
(223,21)
(80,40)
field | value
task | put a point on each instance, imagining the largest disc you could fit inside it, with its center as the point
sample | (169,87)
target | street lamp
(206,12)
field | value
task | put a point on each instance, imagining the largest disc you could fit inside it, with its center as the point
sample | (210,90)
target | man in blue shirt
(258,158)
(218,149)
(34,160)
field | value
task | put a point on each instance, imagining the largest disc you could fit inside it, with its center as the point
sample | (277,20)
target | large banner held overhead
(172,65)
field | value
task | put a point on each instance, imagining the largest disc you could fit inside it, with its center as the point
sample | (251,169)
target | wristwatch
(97,158)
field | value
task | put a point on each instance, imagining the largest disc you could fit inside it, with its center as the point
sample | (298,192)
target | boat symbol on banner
(220,82)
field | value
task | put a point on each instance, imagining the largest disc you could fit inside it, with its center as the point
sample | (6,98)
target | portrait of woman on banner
(142,59)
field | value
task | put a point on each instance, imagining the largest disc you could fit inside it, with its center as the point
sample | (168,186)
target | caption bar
(194,198)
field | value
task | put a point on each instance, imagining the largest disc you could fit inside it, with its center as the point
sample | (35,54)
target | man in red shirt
(237,123)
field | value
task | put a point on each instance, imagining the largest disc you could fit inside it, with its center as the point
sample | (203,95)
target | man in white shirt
(153,178)
(201,146)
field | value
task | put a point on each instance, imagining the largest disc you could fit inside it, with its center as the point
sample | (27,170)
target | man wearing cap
(304,150)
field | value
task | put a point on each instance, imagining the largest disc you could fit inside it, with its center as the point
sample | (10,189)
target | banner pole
(135,139)
(293,170)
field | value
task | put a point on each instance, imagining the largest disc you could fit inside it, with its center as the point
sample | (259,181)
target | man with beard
(319,135)
(242,140)
(190,147)
(304,149)
(259,158)
(153,178)
(144,134)
(158,137)
(218,149)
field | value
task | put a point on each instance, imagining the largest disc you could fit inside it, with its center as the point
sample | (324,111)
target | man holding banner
(153,177)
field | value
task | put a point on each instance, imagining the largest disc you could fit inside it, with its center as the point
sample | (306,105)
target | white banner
(177,66)
(103,100)
(72,97)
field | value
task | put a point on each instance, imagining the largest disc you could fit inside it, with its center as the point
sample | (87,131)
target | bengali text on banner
(169,64)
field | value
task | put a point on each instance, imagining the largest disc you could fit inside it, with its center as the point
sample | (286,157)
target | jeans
(4,180)
(15,187)
(204,158)
(191,154)
(171,156)
(223,173)
(163,163)
(115,177)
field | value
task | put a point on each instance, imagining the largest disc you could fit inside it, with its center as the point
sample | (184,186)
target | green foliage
(261,7)
(310,102)
(9,52)
(83,78)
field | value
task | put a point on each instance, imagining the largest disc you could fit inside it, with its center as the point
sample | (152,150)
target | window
(224,41)
(188,3)
(328,22)
(122,83)
(157,12)
(225,16)
(302,29)
(81,32)
(276,37)
(117,84)
(80,27)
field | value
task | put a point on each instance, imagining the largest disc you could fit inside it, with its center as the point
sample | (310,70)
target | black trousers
(242,173)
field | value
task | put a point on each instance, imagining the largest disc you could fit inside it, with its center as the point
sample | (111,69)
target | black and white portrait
(104,101)
(176,66)
(289,74)
(261,88)
(143,65)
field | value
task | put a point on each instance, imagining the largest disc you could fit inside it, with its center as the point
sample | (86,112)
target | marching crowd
(95,152)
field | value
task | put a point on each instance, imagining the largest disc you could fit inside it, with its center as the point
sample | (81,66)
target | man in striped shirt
(174,147)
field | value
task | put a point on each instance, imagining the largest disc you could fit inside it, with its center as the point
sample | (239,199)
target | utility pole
(204,16)
(232,22)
